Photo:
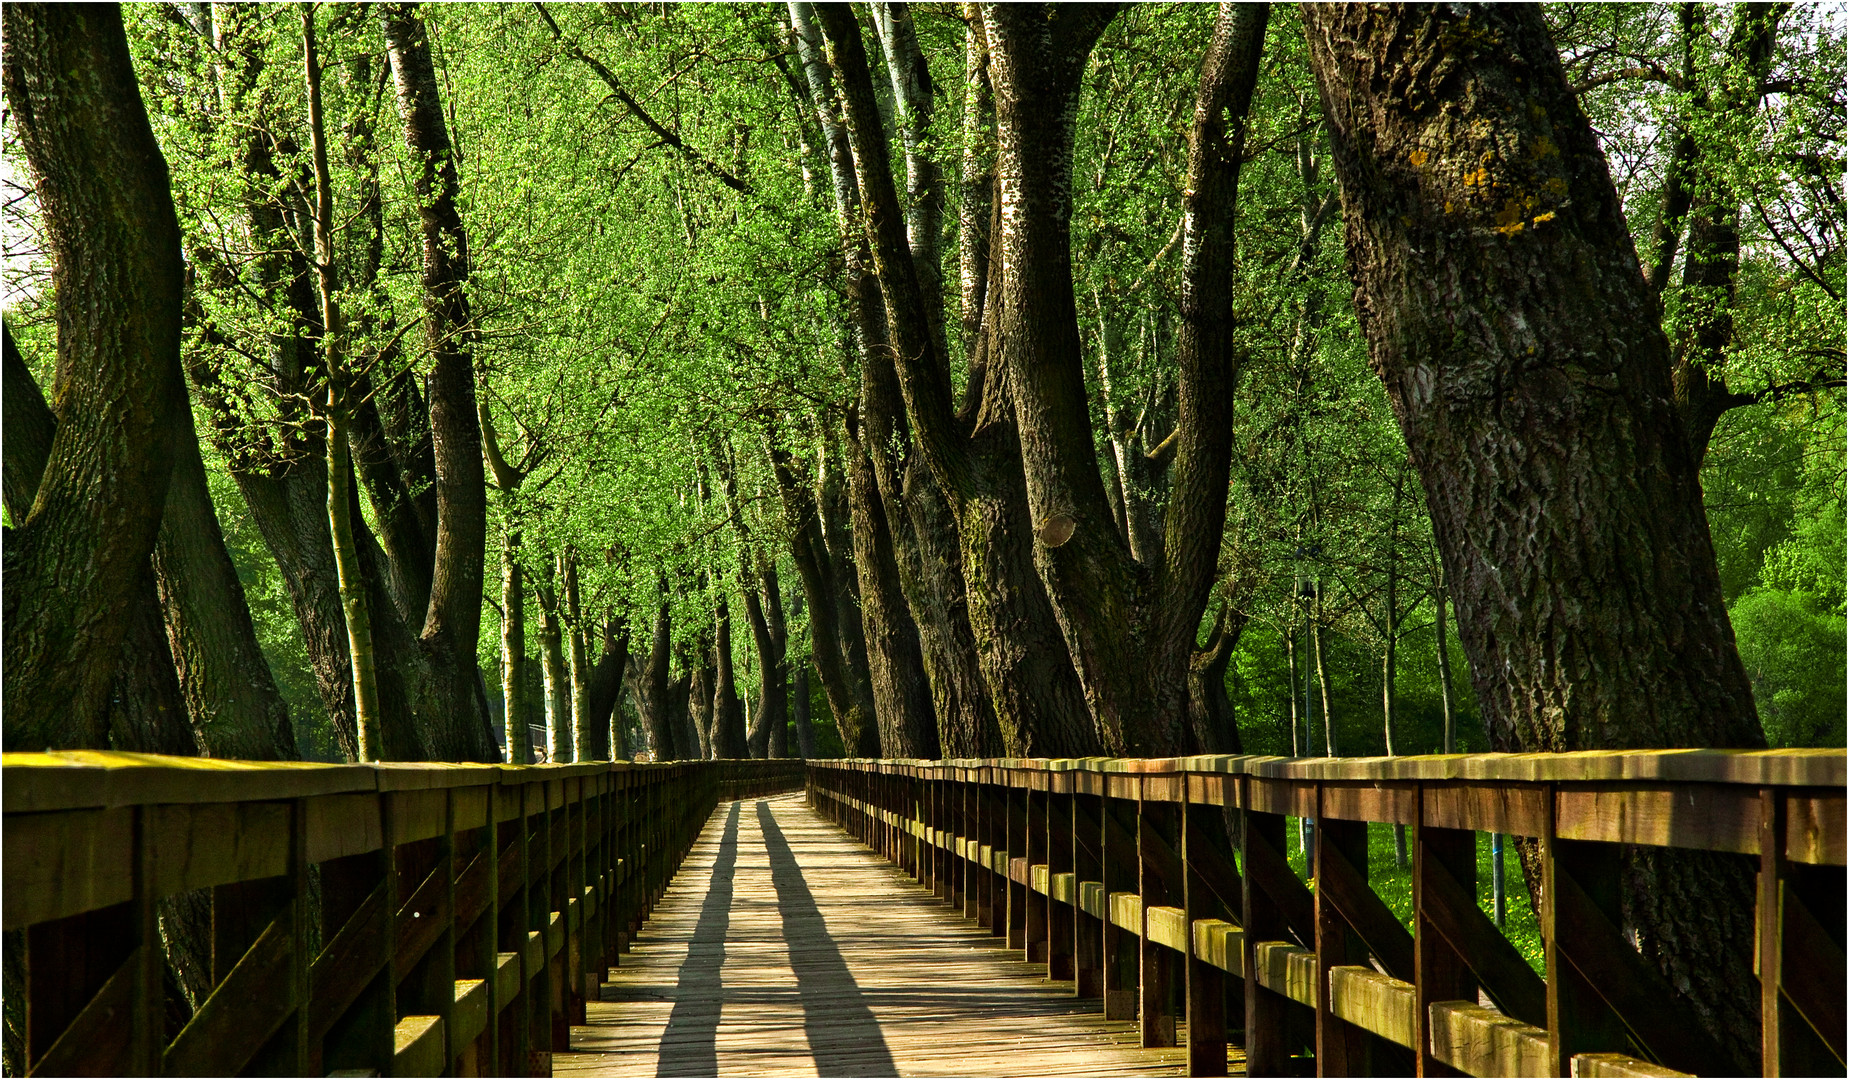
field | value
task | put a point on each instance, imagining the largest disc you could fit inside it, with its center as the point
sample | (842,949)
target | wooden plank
(348,963)
(1479,1041)
(1708,817)
(1386,938)
(790,978)
(202,845)
(242,1012)
(470,1017)
(65,863)
(1519,810)
(1221,944)
(78,779)
(1815,829)
(417,814)
(1811,974)
(1168,926)
(1272,873)
(1370,801)
(418,1047)
(1126,912)
(1270,796)
(97,1041)
(340,825)
(1284,968)
(1373,1002)
(422,919)
(1618,1065)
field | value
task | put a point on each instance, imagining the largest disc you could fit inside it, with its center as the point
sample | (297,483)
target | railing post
(1267,1013)
(1034,847)
(1203,826)
(1439,971)
(1122,869)
(1341,1048)
(1088,870)
(1155,825)
(1061,926)
(1015,859)
(1577,1018)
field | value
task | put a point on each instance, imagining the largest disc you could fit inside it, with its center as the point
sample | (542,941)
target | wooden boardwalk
(785,948)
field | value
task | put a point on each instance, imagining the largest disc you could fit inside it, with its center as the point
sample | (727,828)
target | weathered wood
(1708,817)
(1365,912)
(97,1041)
(1478,1041)
(1505,975)
(65,863)
(243,1011)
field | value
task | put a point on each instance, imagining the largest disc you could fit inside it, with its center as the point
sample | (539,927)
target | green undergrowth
(1394,885)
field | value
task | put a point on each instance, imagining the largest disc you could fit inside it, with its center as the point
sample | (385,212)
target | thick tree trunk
(1130,627)
(681,714)
(728,719)
(974,459)
(799,714)
(1520,346)
(650,687)
(453,714)
(147,713)
(919,533)
(71,565)
(700,688)
(231,697)
(605,692)
(770,637)
(895,663)
(850,699)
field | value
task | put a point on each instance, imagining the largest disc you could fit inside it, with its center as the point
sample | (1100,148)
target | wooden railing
(404,920)
(1162,888)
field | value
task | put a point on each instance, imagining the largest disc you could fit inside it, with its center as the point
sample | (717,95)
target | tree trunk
(453,715)
(973,459)
(700,690)
(519,737)
(1441,600)
(728,720)
(895,664)
(919,534)
(559,741)
(102,186)
(650,687)
(583,738)
(1213,727)
(606,691)
(681,714)
(770,636)
(1507,315)
(799,716)
(1330,742)
(1130,626)
(849,699)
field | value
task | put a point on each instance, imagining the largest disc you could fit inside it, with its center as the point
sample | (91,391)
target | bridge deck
(785,948)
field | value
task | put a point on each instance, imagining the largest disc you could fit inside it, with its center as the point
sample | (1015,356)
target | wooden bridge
(1027,917)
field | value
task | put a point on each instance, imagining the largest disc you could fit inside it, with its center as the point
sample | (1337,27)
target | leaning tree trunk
(1506,313)
(71,565)
(454,715)
(147,713)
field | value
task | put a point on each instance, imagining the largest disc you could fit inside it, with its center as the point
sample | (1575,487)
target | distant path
(785,948)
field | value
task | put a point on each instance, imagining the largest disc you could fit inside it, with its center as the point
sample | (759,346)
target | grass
(1394,886)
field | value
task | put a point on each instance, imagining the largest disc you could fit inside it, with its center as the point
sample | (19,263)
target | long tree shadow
(844,1037)
(690,1043)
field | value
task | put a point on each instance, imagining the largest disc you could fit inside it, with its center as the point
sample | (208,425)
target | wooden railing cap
(1781,768)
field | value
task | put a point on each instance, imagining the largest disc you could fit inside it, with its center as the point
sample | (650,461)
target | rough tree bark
(770,637)
(453,714)
(1130,627)
(728,718)
(559,741)
(605,690)
(974,457)
(147,713)
(71,565)
(649,685)
(1508,317)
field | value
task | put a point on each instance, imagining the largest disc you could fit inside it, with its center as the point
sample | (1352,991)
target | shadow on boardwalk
(785,948)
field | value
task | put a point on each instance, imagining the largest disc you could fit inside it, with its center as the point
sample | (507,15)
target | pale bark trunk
(518,735)
(582,736)
(559,739)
